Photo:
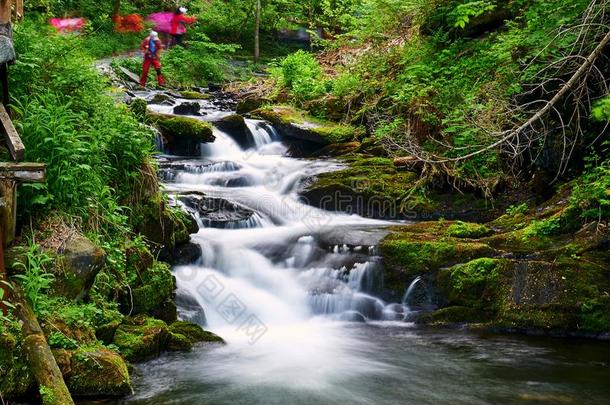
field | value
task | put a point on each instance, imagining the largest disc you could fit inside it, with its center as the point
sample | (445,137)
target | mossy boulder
(371,187)
(61,333)
(164,226)
(194,95)
(77,265)
(141,338)
(94,372)
(407,255)
(453,315)
(183,335)
(183,135)
(332,107)
(468,230)
(297,124)
(250,103)
(475,284)
(338,149)
(16,378)
(151,291)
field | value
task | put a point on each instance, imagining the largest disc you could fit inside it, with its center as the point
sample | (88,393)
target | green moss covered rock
(183,335)
(141,338)
(183,135)
(297,124)
(194,333)
(410,254)
(15,376)
(76,267)
(468,230)
(94,372)
(371,187)
(194,95)
(166,227)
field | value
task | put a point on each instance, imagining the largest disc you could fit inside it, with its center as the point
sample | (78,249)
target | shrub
(35,279)
(301,73)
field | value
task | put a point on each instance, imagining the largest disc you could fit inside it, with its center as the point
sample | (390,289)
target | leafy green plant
(464,12)
(345,85)
(517,209)
(301,73)
(4,287)
(545,227)
(36,280)
(58,340)
(601,110)
(591,194)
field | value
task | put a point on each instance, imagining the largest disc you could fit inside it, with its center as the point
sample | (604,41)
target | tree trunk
(257,26)
(116,7)
(42,363)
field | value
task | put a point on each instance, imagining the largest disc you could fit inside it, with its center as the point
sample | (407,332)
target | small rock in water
(188,108)
(352,316)
(187,254)
(162,99)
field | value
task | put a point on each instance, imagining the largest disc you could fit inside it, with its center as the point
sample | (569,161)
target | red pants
(146,66)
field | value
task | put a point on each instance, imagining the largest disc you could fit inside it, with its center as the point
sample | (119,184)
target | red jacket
(179,22)
(145,45)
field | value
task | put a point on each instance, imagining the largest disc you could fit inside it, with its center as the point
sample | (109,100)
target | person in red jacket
(178,28)
(151,46)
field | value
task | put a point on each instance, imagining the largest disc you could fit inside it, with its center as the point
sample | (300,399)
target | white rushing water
(270,285)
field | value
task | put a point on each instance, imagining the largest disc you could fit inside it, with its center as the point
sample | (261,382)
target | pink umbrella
(162,21)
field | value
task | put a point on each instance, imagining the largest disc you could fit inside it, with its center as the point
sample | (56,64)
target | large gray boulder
(77,265)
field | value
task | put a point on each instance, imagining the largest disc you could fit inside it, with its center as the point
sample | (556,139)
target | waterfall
(405,298)
(262,133)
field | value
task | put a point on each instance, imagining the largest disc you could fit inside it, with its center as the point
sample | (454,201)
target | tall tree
(257,27)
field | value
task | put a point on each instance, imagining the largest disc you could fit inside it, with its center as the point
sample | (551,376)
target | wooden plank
(8,210)
(22,172)
(11,136)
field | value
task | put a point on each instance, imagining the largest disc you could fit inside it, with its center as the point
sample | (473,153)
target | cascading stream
(293,291)
(268,283)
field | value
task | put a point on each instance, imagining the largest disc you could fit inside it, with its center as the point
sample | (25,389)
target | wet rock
(94,372)
(250,103)
(188,108)
(216,212)
(213,87)
(235,126)
(141,338)
(188,253)
(189,308)
(183,135)
(162,99)
(183,335)
(338,149)
(78,264)
(296,124)
(370,187)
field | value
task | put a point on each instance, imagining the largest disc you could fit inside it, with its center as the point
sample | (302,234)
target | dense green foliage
(91,145)
(432,73)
